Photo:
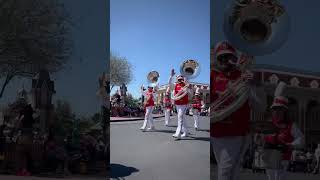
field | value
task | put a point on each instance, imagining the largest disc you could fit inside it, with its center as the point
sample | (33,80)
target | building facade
(303,91)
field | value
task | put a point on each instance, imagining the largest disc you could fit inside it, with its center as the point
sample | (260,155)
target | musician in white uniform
(149,95)
(181,90)
(230,124)
(167,107)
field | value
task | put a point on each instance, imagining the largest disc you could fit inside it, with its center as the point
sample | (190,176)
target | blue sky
(78,82)
(302,48)
(159,35)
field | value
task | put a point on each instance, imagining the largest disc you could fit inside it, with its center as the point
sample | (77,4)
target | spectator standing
(317,156)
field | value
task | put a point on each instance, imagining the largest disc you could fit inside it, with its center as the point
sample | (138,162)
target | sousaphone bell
(153,78)
(256,27)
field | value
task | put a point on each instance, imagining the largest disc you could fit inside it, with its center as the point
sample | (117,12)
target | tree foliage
(131,101)
(64,118)
(120,71)
(34,35)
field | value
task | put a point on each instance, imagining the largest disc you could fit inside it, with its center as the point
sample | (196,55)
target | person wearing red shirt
(149,95)
(287,134)
(181,103)
(167,106)
(230,136)
(196,106)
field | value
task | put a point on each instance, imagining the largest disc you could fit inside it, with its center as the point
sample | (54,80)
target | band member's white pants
(181,120)
(278,174)
(228,152)
(316,168)
(167,116)
(148,119)
(196,118)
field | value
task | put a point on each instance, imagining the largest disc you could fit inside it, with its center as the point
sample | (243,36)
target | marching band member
(181,103)
(196,106)
(149,95)
(288,134)
(167,106)
(229,137)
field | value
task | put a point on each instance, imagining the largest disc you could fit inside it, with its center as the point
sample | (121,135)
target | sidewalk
(124,119)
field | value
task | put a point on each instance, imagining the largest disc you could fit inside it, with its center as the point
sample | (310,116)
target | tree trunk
(6,82)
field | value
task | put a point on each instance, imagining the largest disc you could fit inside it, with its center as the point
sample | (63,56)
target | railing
(11,155)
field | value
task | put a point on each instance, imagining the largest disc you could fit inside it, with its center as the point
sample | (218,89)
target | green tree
(131,101)
(34,35)
(120,71)
(64,118)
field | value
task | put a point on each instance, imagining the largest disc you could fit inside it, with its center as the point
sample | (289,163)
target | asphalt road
(4,177)
(247,174)
(156,155)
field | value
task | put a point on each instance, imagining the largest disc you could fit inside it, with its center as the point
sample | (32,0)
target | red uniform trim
(150,101)
(185,99)
(237,124)
(283,136)
(167,103)
(197,103)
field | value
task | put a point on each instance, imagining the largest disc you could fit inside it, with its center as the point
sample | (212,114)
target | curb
(134,119)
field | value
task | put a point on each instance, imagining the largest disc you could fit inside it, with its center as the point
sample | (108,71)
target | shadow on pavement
(190,138)
(165,131)
(119,171)
(203,130)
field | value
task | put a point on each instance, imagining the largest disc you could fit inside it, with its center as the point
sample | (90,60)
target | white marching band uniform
(196,108)
(181,106)
(230,137)
(289,135)
(149,105)
(167,107)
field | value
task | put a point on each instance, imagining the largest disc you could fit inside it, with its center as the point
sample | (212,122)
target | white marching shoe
(142,128)
(151,128)
(176,136)
(184,135)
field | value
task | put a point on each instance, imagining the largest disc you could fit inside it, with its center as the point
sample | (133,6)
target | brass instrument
(153,78)
(238,89)
(190,69)
(256,27)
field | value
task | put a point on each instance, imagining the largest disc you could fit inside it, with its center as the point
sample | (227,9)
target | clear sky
(78,82)
(159,35)
(302,48)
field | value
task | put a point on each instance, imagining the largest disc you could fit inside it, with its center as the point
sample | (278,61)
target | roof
(286,69)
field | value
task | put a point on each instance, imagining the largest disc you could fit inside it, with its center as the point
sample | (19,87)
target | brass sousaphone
(190,69)
(256,28)
(153,78)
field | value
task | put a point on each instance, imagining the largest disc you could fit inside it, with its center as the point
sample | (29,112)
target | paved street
(3,177)
(248,175)
(137,155)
